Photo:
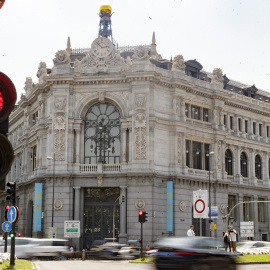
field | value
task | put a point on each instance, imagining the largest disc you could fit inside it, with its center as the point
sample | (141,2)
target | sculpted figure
(217,75)
(178,63)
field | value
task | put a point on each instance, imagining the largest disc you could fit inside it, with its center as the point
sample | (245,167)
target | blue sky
(232,35)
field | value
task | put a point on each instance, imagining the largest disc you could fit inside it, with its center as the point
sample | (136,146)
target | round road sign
(200,207)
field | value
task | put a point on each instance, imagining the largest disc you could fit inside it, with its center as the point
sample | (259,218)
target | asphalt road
(115,265)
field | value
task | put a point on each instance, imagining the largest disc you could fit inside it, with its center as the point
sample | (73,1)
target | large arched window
(244,164)
(228,162)
(102,134)
(258,167)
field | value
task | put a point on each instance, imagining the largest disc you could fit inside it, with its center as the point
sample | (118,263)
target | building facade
(106,128)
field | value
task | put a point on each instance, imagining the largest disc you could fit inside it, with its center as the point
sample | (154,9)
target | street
(115,265)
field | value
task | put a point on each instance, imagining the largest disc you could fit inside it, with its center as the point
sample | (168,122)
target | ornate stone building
(104,129)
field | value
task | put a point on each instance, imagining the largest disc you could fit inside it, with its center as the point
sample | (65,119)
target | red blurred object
(184,253)
(140,213)
(2,3)
(7,207)
(19,234)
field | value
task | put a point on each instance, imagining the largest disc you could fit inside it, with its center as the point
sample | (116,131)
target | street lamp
(210,214)
(52,158)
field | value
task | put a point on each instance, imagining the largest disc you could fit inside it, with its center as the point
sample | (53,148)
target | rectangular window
(267,131)
(225,120)
(239,124)
(195,112)
(260,129)
(205,115)
(254,128)
(246,126)
(261,210)
(188,153)
(34,158)
(231,204)
(197,155)
(187,109)
(246,209)
(231,122)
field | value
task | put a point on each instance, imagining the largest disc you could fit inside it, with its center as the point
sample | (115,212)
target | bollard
(83,254)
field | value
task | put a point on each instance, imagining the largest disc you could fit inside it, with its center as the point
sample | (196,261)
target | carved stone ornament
(28,84)
(182,206)
(140,53)
(61,57)
(103,62)
(140,100)
(42,70)
(60,104)
(179,63)
(140,204)
(58,204)
(59,138)
(217,76)
(140,120)
(140,136)
(100,181)
(222,209)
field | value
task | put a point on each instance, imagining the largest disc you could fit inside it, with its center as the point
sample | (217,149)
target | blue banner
(38,207)
(169,227)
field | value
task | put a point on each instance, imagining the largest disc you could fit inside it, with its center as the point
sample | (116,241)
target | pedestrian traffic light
(141,216)
(145,217)
(8,97)
(12,191)
(6,211)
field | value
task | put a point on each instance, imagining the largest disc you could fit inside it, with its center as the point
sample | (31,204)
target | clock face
(102,47)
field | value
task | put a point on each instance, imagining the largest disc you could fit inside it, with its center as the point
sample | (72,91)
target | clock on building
(101,47)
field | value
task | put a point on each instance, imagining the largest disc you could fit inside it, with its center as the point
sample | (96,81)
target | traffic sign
(200,203)
(12,214)
(72,229)
(7,226)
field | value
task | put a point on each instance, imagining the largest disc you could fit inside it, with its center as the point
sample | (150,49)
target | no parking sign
(200,204)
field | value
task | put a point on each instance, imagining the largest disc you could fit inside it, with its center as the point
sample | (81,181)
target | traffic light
(8,98)
(12,191)
(145,217)
(6,211)
(19,234)
(141,216)
(12,234)
(2,3)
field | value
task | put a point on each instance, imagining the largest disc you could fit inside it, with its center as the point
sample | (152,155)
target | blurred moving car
(253,247)
(34,247)
(193,253)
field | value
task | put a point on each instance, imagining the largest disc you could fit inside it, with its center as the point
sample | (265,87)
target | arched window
(228,162)
(102,134)
(244,165)
(258,168)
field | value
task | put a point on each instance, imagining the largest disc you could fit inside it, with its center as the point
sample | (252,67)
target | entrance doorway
(100,206)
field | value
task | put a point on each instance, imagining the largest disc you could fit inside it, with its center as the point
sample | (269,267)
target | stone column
(221,120)
(254,215)
(124,144)
(78,142)
(252,166)
(77,200)
(123,215)
(131,158)
(77,209)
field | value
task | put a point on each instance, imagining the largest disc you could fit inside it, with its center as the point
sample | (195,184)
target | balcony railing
(103,167)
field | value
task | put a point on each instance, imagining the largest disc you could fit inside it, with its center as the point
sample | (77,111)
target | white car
(35,247)
(253,247)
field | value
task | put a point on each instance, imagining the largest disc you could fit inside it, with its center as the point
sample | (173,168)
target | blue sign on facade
(169,227)
(37,207)
(7,226)
(12,214)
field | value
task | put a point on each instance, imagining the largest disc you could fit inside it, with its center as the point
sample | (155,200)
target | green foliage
(254,258)
(19,264)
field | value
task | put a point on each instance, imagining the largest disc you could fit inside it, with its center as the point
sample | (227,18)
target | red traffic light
(19,234)
(7,207)
(8,96)
(140,213)
(2,3)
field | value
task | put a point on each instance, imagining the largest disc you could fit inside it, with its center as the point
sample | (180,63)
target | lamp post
(210,214)
(52,158)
